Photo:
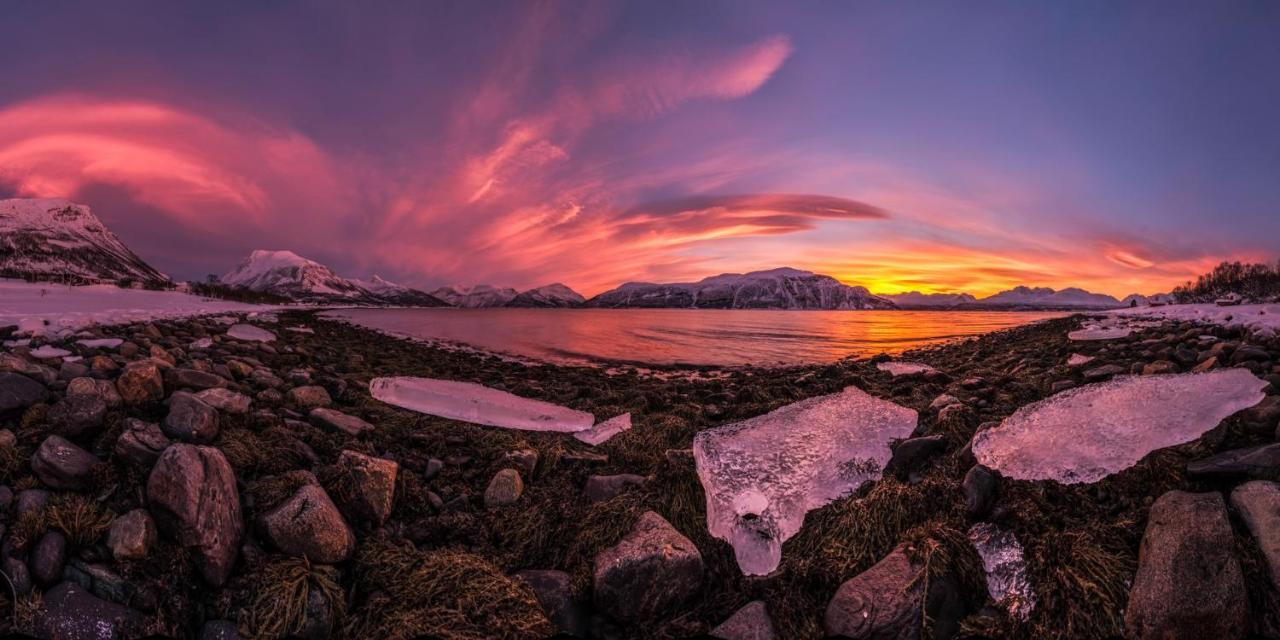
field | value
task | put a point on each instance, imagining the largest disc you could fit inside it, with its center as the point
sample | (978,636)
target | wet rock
(17,392)
(601,488)
(1189,583)
(104,389)
(526,460)
(980,486)
(751,622)
(554,591)
(140,383)
(309,397)
(653,570)
(141,443)
(309,525)
(177,378)
(62,465)
(1258,504)
(192,494)
(77,415)
(338,421)
(48,558)
(886,601)
(504,489)
(913,453)
(70,611)
(372,486)
(225,400)
(131,535)
(1258,462)
(190,419)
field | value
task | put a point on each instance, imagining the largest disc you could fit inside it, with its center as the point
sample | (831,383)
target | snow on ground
(1090,432)
(1262,320)
(896,369)
(762,475)
(1007,579)
(478,404)
(249,333)
(57,310)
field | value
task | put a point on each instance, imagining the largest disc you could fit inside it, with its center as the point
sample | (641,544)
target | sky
(932,146)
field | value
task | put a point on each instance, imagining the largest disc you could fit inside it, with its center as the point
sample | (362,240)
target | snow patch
(762,475)
(1261,320)
(1088,433)
(478,404)
(1077,359)
(896,369)
(250,333)
(49,351)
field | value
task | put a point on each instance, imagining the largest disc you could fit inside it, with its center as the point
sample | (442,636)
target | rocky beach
(224,477)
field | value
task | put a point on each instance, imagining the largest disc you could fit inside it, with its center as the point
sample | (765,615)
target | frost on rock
(1006,570)
(250,333)
(478,404)
(896,369)
(1090,432)
(609,428)
(762,475)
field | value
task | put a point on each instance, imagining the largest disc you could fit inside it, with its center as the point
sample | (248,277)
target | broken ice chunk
(1006,570)
(49,351)
(250,333)
(605,430)
(896,369)
(1077,359)
(478,404)
(100,343)
(1090,432)
(762,475)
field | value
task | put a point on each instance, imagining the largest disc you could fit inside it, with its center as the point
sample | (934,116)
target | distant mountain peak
(781,288)
(550,295)
(288,274)
(42,238)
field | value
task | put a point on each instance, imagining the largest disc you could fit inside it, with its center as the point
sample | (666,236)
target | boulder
(504,489)
(140,383)
(751,622)
(17,392)
(309,396)
(62,465)
(554,591)
(131,535)
(1258,462)
(309,525)
(190,419)
(77,415)
(192,494)
(653,570)
(338,421)
(141,443)
(1258,503)
(1189,582)
(232,402)
(887,601)
(177,378)
(48,558)
(70,611)
(601,488)
(372,486)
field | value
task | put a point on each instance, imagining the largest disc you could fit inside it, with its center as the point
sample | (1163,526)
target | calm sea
(687,336)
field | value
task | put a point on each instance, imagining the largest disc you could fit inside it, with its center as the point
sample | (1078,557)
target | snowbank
(1090,432)
(1262,320)
(478,404)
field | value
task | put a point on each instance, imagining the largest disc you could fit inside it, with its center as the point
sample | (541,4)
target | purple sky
(1117,146)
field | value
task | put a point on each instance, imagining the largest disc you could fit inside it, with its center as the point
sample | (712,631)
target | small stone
(912,454)
(653,570)
(131,535)
(889,601)
(309,525)
(1103,372)
(525,459)
(239,369)
(373,486)
(980,486)
(337,421)
(69,370)
(160,355)
(177,378)
(751,622)
(1257,462)
(601,488)
(17,392)
(309,397)
(554,591)
(18,574)
(190,419)
(939,403)
(504,489)
(62,465)
(232,402)
(104,389)
(1159,367)
(77,415)
(141,443)
(140,383)
(1205,365)
(48,558)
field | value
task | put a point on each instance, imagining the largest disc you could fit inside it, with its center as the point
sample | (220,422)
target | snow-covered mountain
(480,295)
(288,274)
(1139,300)
(552,295)
(782,288)
(52,238)
(920,300)
(1046,298)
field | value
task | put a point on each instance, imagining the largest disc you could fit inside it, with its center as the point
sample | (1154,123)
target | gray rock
(190,419)
(913,453)
(554,591)
(653,570)
(69,371)
(1259,462)
(177,378)
(338,421)
(1189,582)
(309,525)
(192,494)
(104,389)
(309,397)
(886,601)
(48,558)
(601,488)
(526,460)
(140,383)
(372,486)
(1249,353)
(1258,503)
(504,489)
(62,465)
(1103,372)
(17,392)
(226,400)
(132,535)
(751,622)
(980,486)
(77,415)
(141,443)
(71,612)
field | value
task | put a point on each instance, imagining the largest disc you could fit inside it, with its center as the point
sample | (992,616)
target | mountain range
(782,288)
(288,274)
(54,239)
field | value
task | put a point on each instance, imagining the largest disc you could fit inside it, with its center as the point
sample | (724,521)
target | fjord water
(687,336)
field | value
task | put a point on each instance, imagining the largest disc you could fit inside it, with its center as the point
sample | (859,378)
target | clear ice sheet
(1006,569)
(598,434)
(478,404)
(1090,432)
(762,475)
(896,369)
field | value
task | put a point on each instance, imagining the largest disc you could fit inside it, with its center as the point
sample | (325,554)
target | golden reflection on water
(688,336)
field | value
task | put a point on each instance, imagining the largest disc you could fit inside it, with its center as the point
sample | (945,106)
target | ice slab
(1006,569)
(250,333)
(1077,359)
(605,430)
(203,343)
(762,475)
(49,351)
(1099,333)
(478,404)
(896,369)
(100,343)
(1090,432)
(300,329)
